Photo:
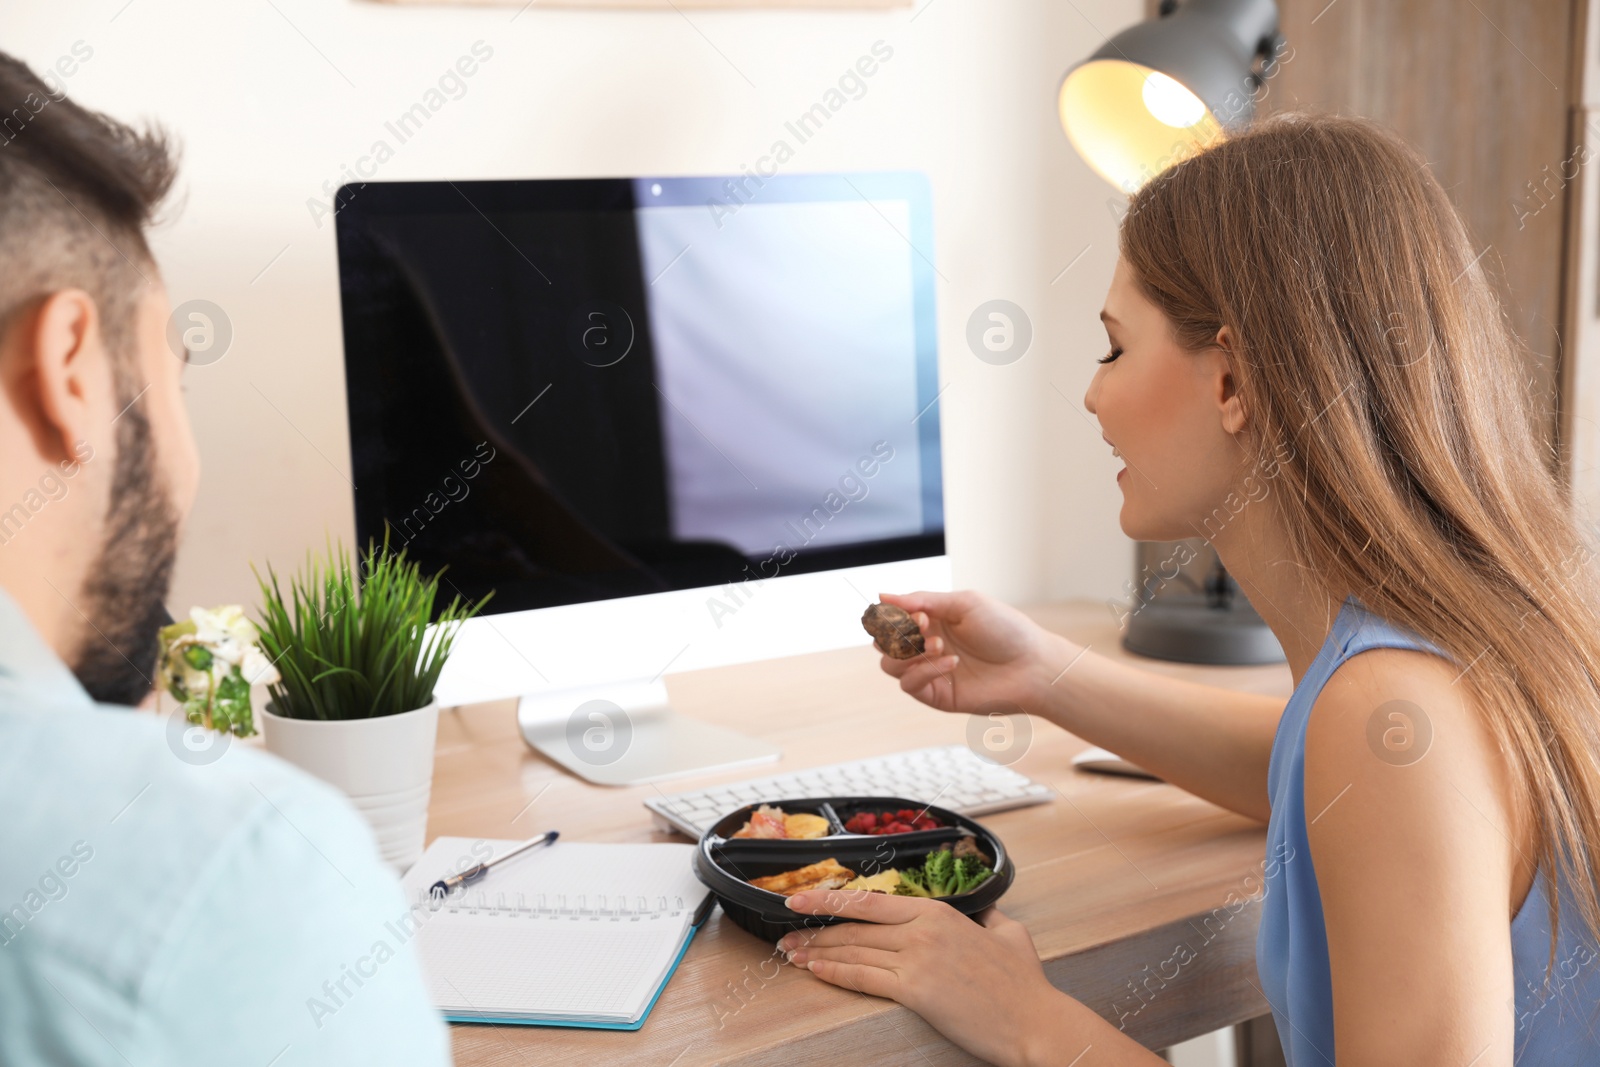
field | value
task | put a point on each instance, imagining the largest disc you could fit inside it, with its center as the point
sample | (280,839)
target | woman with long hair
(1308,367)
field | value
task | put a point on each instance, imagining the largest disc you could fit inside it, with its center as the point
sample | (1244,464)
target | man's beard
(124,593)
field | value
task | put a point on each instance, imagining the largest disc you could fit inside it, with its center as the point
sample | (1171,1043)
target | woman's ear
(1229,402)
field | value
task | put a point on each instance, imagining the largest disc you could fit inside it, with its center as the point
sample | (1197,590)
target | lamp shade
(1165,89)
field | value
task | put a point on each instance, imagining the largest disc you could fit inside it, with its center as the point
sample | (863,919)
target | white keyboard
(950,776)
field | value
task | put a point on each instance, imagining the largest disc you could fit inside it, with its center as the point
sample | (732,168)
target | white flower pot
(384,765)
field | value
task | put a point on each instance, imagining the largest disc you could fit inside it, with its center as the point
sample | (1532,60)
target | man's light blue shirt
(158,909)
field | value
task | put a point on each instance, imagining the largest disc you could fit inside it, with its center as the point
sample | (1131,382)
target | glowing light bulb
(1171,103)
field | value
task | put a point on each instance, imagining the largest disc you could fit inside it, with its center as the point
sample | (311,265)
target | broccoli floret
(943,875)
(939,868)
(912,883)
(971,872)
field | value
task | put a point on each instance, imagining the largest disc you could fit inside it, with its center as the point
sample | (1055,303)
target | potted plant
(357,662)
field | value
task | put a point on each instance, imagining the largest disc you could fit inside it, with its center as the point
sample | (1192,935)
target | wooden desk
(1133,890)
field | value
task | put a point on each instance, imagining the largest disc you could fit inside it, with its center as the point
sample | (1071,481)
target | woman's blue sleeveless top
(1556,1023)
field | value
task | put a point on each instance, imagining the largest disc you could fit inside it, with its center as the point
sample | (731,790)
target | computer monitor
(670,423)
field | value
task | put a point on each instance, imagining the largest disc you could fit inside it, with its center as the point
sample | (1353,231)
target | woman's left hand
(982,986)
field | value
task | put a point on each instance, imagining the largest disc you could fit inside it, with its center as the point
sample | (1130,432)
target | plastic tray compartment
(725,863)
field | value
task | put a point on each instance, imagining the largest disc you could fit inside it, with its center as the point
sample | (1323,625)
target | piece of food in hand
(827,874)
(893,630)
(943,874)
(882,882)
(891,822)
(765,821)
(801,824)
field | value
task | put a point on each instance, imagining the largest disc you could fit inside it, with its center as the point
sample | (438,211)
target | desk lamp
(1154,94)
(1167,88)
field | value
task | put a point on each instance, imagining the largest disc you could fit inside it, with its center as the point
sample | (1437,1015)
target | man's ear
(1229,401)
(62,376)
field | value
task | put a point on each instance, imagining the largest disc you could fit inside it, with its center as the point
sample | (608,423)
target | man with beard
(154,908)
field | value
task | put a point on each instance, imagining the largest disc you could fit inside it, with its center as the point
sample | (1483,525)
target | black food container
(726,863)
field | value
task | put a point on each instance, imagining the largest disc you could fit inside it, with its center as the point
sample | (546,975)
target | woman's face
(1171,415)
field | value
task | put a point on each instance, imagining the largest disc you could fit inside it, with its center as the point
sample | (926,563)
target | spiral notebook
(575,934)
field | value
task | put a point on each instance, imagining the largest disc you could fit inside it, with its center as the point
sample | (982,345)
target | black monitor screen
(572,390)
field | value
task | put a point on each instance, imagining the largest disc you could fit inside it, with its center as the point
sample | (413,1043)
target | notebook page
(565,877)
(547,966)
(574,931)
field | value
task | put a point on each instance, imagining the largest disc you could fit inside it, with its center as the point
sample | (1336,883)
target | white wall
(271,97)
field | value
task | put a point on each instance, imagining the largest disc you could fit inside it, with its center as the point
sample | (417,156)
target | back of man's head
(97,461)
(77,190)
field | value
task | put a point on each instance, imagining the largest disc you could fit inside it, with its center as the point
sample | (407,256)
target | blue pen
(442,887)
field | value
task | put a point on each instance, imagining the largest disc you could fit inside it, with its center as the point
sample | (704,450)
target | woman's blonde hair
(1372,352)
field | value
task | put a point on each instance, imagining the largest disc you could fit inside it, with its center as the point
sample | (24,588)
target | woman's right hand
(976,650)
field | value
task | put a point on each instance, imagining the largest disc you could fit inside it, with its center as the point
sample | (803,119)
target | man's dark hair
(77,190)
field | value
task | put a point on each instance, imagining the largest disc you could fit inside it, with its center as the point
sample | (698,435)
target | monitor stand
(629,735)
